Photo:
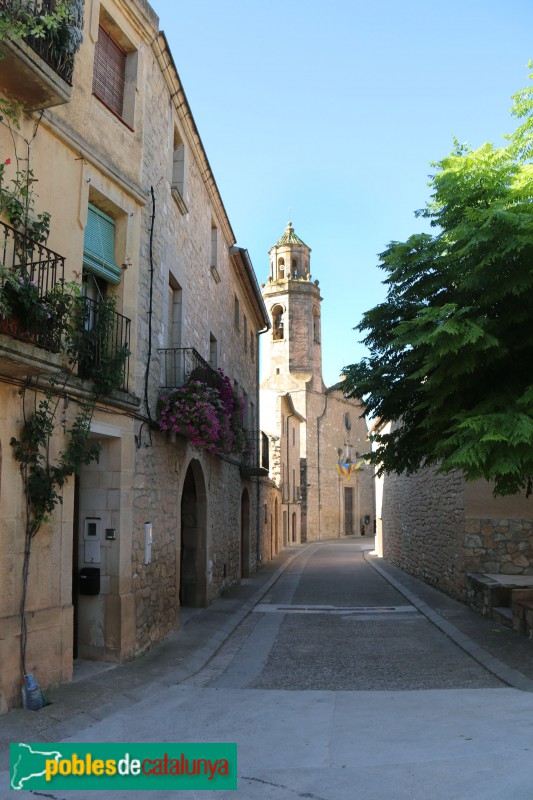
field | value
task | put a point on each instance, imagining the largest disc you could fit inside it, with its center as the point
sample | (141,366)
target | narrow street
(332,623)
(336,687)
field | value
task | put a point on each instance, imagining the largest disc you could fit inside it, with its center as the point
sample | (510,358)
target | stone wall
(440,529)
(499,546)
(270,520)
(423,527)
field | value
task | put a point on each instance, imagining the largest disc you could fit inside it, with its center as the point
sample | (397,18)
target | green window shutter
(99,246)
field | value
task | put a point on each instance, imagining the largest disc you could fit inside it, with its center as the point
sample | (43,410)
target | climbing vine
(43,474)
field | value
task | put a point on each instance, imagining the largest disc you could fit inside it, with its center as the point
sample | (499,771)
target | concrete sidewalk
(100,690)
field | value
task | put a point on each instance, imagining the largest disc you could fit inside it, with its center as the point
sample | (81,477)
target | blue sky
(335,110)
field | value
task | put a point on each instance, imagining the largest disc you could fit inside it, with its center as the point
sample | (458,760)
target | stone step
(503,615)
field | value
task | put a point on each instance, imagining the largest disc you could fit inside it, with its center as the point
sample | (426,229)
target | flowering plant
(20,299)
(193,407)
(210,416)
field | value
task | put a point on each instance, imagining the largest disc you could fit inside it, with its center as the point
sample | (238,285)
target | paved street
(341,678)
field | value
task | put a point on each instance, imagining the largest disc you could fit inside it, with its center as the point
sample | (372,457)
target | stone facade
(181,283)
(329,504)
(423,527)
(441,529)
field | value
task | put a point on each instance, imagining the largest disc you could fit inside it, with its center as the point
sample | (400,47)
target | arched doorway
(245,534)
(193,555)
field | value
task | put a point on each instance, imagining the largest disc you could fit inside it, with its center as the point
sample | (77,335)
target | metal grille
(181,364)
(57,47)
(38,266)
(101,345)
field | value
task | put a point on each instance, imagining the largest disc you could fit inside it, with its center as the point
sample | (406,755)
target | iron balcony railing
(182,364)
(255,458)
(57,47)
(103,343)
(29,273)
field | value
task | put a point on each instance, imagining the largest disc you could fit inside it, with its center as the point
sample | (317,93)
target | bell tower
(292,354)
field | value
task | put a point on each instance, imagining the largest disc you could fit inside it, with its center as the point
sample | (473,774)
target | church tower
(315,433)
(292,369)
(293,353)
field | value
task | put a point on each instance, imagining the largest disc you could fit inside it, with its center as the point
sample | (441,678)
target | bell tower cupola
(293,302)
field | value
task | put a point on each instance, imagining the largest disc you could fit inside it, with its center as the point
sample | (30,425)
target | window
(115,70)
(99,246)
(245,326)
(175,312)
(213,351)
(178,173)
(281,268)
(246,413)
(252,346)
(237,313)
(316,325)
(213,259)
(277,323)
(109,75)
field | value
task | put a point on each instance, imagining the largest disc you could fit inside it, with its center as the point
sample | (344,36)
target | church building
(327,490)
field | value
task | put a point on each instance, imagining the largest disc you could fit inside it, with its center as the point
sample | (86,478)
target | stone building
(329,491)
(138,223)
(457,536)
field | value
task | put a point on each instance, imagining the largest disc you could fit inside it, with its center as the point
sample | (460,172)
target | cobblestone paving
(360,648)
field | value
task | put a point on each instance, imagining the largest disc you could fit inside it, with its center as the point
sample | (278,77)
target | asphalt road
(334,687)
(332,623)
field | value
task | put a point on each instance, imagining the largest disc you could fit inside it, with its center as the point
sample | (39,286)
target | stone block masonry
(434,527)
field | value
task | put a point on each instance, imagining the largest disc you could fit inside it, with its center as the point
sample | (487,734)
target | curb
(512,677)
(213,645)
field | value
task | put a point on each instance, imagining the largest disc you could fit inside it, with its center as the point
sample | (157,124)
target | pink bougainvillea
(210,416)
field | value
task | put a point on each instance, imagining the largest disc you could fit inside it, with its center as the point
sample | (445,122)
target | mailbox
(90,580)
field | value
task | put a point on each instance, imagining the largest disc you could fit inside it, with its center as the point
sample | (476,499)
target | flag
(345,469)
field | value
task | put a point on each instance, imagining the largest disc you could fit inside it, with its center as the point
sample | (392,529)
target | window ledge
(180,202)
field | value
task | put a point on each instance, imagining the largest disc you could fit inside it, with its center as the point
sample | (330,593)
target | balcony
(182,364)
(255,459)
(37,71)
(29,271)
(102,345)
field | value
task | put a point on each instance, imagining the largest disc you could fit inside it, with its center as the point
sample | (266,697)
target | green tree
(450,359)
(20,18)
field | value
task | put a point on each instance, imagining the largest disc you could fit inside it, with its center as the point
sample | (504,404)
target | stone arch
(245,534)
(193,551)
(316,325)
(278,323)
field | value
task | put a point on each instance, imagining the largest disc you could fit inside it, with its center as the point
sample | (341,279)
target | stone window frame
(278,323)
(178,185)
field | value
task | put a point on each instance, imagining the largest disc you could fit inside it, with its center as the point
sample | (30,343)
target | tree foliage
(451,349)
